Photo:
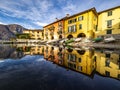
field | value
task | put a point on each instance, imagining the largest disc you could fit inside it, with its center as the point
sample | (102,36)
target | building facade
(109,22)
(89,24)
(108,64)
(83,24)
(35,34)
(55,30)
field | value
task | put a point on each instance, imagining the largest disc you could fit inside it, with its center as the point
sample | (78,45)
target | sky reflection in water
(32,72)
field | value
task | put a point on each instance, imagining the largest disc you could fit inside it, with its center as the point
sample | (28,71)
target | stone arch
(60,36)
(81,52)
(81,35)
(69,50)
(70,36)
(52,37)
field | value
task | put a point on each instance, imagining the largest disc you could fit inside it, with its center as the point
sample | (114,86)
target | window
(72,57)
(109,31)
(107,55)
(80,68)
(107,63)
(72,28)
(69,29)
(109,13)
(80,18)
(70,65)
(109,23)
(74,20)
(80,26)
(69,21)
(79,59)
(60,24)
(107,73)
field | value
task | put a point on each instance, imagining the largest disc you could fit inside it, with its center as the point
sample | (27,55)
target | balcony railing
(51,33)
(109,26)
(46,34)
(59,32)
(51,28)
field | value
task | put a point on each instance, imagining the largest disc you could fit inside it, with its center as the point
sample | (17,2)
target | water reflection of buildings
(54,54)
(105,63)
(108,64)
(80,60)
(32,50)
(85,61)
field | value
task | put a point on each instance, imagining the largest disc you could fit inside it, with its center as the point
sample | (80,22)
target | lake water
(24,67)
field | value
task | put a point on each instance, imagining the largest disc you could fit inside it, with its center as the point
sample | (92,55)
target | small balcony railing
(59,32)
(51,33)
(46,34)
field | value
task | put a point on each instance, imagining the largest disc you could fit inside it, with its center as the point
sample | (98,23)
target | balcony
(109,26)
(51,28)
(46,34)
(59,32)
(51,33)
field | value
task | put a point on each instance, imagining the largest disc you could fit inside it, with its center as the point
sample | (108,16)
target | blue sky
(34,14)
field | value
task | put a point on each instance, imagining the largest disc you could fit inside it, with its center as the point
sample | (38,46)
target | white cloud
(40,24)
(3,23)
(41,12)
(29,9)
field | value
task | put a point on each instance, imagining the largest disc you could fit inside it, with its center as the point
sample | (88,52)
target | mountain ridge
(8,31)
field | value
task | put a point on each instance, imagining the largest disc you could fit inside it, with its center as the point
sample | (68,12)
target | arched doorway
(69,50)
(60,36)
(70,36)
(81,52)
(52,37)
(81,35)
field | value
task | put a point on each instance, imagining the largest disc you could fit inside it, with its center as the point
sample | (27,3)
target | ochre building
(108,22)
(55,30)
(35,34)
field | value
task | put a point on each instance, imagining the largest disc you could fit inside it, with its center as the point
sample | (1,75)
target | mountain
(9,31)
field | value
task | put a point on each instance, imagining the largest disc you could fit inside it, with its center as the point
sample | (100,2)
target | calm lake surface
(24,67)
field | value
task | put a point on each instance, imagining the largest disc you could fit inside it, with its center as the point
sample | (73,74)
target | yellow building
(80,60)
(82,24)
(37,50)
(35,34)
(109,22)
(31,50)
(108,64)
(55,30)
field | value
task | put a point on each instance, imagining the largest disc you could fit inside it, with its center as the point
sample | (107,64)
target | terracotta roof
(55,21)
(64,18)
(108,9)
(93,9)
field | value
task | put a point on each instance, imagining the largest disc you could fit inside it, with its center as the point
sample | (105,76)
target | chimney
(67,15)
(56,19)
